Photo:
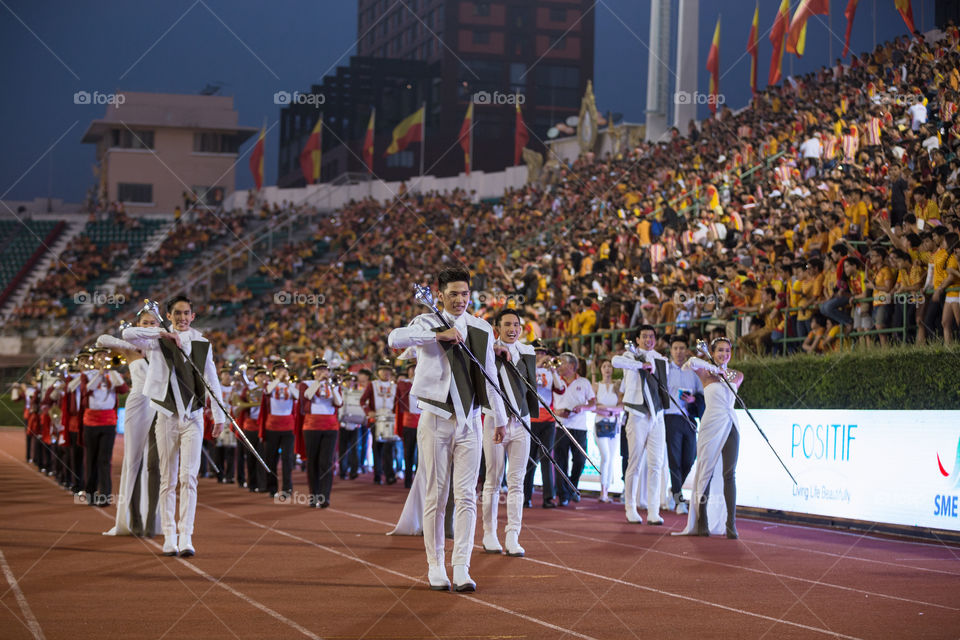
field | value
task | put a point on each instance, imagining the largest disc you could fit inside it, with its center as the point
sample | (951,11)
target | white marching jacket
(634,391)
(432,378)
(160,376)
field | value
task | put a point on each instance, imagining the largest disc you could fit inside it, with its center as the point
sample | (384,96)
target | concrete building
(152,147)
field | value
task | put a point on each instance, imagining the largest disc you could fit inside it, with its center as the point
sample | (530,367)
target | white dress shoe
(491,544)
(438,578)
(514,549)
(170,546)
(633,517)
(461,579)
(186,547)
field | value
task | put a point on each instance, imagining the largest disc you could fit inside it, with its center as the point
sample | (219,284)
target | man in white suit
(179,396)
(451,392)
(644,401)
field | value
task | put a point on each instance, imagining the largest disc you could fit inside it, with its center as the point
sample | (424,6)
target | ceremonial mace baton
(702,348)
(424,296)
(154,308)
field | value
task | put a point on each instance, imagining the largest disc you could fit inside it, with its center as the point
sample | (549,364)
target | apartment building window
(133,192)
(135,139)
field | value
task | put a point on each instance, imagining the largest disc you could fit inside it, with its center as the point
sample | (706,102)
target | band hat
(319,363)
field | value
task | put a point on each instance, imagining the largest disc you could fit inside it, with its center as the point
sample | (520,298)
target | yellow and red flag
(256,159)
(312,151)
(368,143)
(849,13)
(465,139)
(905,7)
(752,48)
(409,130)
(777,33)
(797,35)
(520,137)
(713,66)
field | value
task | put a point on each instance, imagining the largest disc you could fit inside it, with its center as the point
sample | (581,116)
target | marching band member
(543,428)
(23,392)
(102,388)
(352,417)
(276,428)
(514,359)
(226,442)
(408,416)
(718,439)
(378,403)
(175,387)
(139,441)
(644,401)
(251,397)
(451,391)
(317,417)
(74,404)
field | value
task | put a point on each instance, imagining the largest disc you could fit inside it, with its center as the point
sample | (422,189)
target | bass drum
(383,430)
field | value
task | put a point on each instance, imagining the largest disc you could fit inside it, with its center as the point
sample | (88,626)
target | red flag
(310,156)
(849,12)
(256,159)
(464,139)
(713,66)
(777,33)
(752,48)
(797,35)
(905,7)
(368,143)
(520,138)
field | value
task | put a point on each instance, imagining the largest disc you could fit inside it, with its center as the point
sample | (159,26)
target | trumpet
(553,362)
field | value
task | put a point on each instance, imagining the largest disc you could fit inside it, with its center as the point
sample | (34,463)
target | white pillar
(659,74)
(688,64)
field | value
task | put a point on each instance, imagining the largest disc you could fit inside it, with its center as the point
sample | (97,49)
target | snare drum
(383,430)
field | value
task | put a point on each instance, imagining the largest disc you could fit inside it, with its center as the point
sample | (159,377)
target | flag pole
(473,115)
(423,137)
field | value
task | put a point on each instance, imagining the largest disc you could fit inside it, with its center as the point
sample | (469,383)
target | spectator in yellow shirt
(881,283)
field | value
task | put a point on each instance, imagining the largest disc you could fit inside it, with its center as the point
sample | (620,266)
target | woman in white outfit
(718,438)
(137,423)
(609,409)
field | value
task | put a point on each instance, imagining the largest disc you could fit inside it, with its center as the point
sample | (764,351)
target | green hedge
(896,378)
(11,413)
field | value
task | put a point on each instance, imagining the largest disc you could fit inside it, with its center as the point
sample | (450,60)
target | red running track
(266,570)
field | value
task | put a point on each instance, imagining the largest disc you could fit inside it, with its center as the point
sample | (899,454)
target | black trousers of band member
(383,461)
(98,442)
(545,432)
(681,449)
(256,476)
(225,457)
(75,462)
(241,464)
(563,451)
(275,445)
(364,438)
(321,446)
(206,470)
(409,454)
(152,460)
(348,454)
(41,454)
(29,445)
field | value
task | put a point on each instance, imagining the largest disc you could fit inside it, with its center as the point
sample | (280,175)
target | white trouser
(516,442)
(138,415)
(647,437)
(178,446)
(608,450)
(441,444)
